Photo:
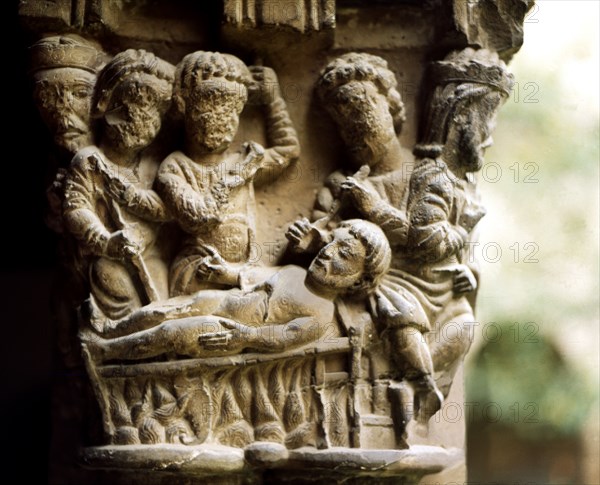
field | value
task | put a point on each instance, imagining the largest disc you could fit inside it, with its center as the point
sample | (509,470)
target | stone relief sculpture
(470,86)
(209,191)
(190,342)
(110,206)
(64,70)
(291,307)
(430,220)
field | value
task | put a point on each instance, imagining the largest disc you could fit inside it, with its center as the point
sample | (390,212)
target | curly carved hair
(363,67)
(378,253)
(129,63)
(201,66)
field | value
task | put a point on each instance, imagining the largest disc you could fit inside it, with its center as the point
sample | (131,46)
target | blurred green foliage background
(537,342)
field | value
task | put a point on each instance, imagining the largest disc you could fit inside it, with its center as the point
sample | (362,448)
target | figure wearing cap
(64,70)
(110,206)
(210,189)
(442,209)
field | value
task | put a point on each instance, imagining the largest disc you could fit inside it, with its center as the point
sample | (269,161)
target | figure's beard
(214,138)
(215,144)
(73,142)
(370,147)
(72,134)
(471,154)
(136,133)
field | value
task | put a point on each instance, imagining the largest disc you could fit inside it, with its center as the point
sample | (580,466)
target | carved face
(364,121)
(212,114)
(469,134)
(340,264)
(134,114)
(64,96)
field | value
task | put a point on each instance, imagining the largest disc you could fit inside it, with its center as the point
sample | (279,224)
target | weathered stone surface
(267,234)
(493,24)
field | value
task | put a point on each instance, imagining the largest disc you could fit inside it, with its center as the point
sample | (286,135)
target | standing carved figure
(110,206)
(209,190)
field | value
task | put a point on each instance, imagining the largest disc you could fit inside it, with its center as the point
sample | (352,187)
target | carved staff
(146,284)
(136,260)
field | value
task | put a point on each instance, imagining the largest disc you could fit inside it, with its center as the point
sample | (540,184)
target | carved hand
(255,154)
(121,245)
(120,190)
(265,88)
(301,234)
(236,338)
(363,198)
(464,281)
(214,268)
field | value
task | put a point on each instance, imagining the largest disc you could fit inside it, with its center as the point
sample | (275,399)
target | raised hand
(299,234)
(265,87)
(361,196)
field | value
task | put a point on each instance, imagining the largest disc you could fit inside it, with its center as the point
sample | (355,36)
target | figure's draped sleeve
(146,204)
(191,206)
(80,213)
(393,222)
(431,234)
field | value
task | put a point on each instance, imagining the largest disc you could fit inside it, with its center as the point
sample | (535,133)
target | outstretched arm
(283,146)
(179,336)
(368,202)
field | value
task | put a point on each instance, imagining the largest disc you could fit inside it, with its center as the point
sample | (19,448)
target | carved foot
(428,399)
